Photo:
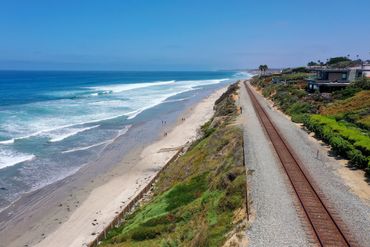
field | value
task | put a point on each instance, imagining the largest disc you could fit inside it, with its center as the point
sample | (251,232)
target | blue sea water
(51,122)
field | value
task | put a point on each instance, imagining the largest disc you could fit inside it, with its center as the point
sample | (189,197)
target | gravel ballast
(354,211)
(275,221)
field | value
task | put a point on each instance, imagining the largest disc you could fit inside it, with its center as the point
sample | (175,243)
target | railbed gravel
(354,211)
(276,222)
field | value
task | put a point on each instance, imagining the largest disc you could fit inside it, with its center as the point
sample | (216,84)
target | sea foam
(128,104)
(118,88)
(46,125)
(106,143)
(56,137)
(11,158)
(107,102)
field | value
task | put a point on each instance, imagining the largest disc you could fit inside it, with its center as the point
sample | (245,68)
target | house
(366,70)
(330,79)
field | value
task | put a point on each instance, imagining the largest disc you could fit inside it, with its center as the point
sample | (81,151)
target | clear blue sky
(179,35)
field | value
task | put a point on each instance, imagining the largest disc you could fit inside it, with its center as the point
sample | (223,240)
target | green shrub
(206,129)
(169,243)
(268,90)
(230,202)
(362,83)
(346,141)
(161,220)
(298,118)
(295,76)
(356,157)
(340,145)
(184,193)
(345,93)
(300,70)
(335,60)
(143,233)
(299,108)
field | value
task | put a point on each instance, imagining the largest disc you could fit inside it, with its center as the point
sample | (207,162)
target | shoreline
(113,190)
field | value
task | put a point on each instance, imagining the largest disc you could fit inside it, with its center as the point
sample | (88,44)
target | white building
(366,70)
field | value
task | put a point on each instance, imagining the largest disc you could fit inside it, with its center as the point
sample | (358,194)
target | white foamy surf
(104,103)
(119,88)
(106,143)
(63,121)
(11,158)
(56,137)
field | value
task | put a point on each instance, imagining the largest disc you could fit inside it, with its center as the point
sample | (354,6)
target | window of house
(344,76)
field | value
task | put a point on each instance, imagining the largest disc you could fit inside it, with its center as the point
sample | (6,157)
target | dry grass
(360,101)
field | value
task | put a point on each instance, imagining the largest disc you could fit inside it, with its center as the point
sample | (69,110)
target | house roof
(325,69)
(332,69)
(331,84)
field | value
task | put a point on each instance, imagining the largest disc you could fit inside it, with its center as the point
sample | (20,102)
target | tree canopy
(335,60)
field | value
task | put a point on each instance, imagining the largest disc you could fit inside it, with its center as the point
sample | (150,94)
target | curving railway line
(327,229)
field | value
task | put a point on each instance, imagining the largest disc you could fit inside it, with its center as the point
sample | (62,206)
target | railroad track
(326,230)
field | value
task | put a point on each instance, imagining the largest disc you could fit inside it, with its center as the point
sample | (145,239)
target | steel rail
(326,229)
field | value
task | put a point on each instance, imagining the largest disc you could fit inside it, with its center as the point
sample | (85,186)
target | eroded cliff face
(199,199)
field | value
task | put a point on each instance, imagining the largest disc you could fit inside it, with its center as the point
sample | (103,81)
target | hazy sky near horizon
(179,34)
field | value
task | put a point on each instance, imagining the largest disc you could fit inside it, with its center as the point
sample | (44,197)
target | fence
(247,211)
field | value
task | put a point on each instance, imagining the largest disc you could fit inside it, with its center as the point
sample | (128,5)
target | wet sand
(80,212)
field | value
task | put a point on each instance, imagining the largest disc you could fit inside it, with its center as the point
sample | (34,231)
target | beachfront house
(330,79)
(366,70)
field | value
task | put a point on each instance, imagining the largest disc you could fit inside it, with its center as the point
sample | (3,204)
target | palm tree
(261,69)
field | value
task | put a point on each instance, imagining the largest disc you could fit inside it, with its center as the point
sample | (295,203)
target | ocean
(53,123)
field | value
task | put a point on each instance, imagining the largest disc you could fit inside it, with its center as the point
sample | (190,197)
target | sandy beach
(100,204)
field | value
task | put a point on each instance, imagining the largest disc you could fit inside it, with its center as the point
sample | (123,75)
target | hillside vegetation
(345,139)
(199,199)
(289,94)
(341,118)
(355,109)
